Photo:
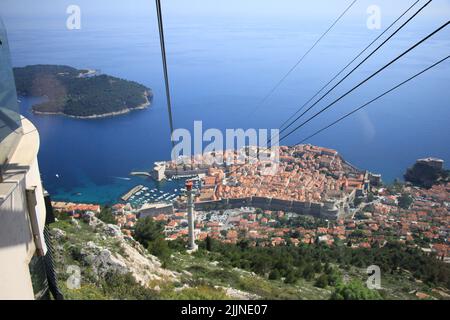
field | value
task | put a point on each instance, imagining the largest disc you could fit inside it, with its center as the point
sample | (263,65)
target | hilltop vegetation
(79,93)
(426,176)
(114,266)
(312,261)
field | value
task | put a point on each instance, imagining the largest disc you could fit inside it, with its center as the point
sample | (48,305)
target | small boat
(122,178)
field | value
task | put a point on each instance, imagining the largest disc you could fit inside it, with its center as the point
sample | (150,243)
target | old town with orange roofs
(315,196)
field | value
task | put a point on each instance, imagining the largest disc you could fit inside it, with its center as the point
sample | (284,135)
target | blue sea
(220,68)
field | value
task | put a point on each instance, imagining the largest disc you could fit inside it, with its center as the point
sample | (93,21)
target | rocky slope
(109,261)
(101,250)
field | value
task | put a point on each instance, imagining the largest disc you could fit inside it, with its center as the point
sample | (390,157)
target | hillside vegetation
(114,266)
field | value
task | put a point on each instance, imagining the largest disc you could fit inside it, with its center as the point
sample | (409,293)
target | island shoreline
(142,106)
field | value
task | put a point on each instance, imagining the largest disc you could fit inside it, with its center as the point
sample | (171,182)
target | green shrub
(274,275)
(354,290)
(322,281)
(106,215)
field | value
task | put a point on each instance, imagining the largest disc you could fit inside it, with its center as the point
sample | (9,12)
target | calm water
(220,69)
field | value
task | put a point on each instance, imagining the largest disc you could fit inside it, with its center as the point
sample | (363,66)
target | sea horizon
(220,69)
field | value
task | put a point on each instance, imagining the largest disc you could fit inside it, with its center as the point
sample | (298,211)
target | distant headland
(83,94)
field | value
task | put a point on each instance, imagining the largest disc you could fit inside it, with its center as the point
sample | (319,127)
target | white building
(159,171)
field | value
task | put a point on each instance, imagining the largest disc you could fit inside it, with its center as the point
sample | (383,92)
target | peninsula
(83,94)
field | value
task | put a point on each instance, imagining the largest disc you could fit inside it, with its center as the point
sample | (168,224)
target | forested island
(80,93)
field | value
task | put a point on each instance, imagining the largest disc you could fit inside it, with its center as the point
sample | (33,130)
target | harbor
(131,193)
(141,195)
(149,191)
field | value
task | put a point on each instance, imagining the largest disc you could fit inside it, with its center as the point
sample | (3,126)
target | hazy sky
(247,8)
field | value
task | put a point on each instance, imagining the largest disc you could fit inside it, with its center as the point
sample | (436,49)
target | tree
(106,215)
(290,278)
(260,265)
(322,281)
(327,268)
(208,242)
(177,245)
(334,277)
(243,244)
(318,267)
(308,272)
(147,230)
(60,215)
(159,248)
(405,201)
(274,275)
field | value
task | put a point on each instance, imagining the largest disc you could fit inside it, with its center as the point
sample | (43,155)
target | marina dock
(141,173)
(127,195)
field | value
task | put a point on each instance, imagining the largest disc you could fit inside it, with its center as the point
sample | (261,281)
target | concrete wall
(173,173)
(17,245)
(305,208)
(154,211)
